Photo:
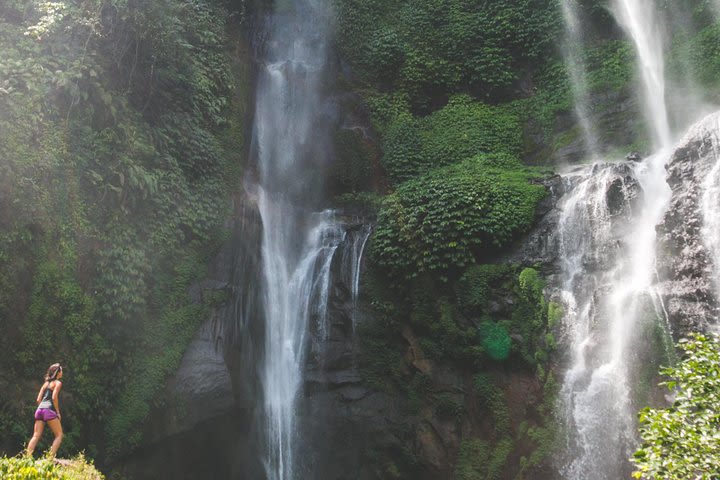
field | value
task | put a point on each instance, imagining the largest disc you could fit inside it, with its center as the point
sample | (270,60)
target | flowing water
(573,50)
(352,263)
(638,19)
(607,240)
(292,126)
(608,243)
(710,202)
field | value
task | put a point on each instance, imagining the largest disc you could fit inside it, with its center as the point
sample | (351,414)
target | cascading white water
(573,48)
(607,240)
(608,245)
(297,244)
(710,201)
(295,288)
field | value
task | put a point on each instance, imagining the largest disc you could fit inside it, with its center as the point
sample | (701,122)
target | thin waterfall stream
(710,206)
(573,48)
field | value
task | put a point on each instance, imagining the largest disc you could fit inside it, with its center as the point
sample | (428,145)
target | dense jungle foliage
(122,138)
(122,130)
(449,86)
(463,95)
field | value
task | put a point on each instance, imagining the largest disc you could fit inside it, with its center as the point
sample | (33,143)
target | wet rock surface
(540,245)
(683,262)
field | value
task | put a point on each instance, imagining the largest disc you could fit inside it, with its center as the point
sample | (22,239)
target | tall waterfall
(290,139)
(608,243)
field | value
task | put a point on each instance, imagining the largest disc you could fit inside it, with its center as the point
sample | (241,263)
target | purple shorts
(45,414)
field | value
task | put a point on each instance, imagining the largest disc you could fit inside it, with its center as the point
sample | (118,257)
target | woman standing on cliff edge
(48,410)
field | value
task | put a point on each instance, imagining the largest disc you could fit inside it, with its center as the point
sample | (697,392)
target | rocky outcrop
(684,264)
(540,246)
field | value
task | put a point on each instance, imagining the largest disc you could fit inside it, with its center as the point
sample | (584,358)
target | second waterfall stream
(614,315)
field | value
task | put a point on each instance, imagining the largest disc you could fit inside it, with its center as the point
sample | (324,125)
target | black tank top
(46,401)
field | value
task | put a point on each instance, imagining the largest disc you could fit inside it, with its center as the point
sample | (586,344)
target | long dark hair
(52,372)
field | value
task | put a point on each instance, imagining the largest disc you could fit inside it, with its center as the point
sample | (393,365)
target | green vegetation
(494,316)
(26,468)
(698,56)
(440,221)
(122,127)
(479,459)
(434,48)
(682,441)
(458,131)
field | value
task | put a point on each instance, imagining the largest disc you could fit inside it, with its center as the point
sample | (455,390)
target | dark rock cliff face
(203,428)
(352,428)
(683,260)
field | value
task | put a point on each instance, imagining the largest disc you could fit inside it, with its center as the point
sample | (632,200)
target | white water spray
(572,49)
(638,19)
(607,235)
(352,264)
(710,201)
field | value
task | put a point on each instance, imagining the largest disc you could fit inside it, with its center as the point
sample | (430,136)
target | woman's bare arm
(40,393)
(56,394)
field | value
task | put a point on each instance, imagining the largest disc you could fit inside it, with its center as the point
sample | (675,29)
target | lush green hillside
(122,138)
(462,96)
(122,141)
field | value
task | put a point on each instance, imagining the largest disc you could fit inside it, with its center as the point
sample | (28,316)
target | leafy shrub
(26,468)
(473,290)
(610,65)
(464,128)
(458,131)
(439,222)
(482,459)
(530,318)
(531,284)
(404,157)
(682,441)
(439,47)
(492,399)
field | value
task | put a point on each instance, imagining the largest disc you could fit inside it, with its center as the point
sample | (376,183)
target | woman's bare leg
(56,427)
(37,433)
